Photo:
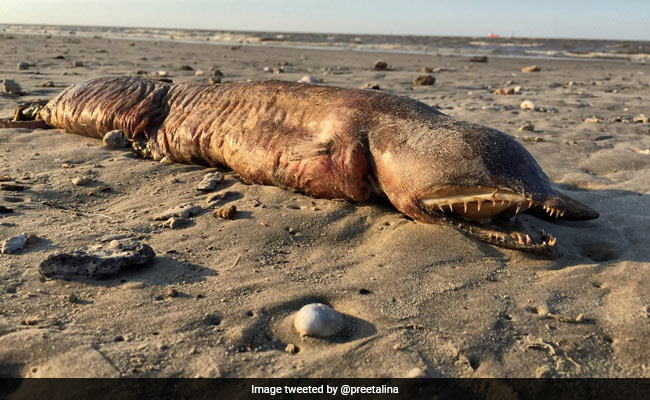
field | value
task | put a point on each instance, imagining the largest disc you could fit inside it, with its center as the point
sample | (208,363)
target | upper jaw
(479,203)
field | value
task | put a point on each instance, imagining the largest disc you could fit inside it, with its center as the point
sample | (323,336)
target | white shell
(528,105)
(317,319)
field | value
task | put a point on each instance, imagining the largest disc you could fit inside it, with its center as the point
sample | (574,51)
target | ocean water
(634,51)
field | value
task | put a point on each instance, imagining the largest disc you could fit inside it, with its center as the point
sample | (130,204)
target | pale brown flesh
(328,142)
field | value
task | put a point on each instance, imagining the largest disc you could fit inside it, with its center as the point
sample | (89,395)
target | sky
(596,19)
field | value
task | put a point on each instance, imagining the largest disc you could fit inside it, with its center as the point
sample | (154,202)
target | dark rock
(97,261)
(380,65)
(479,59)
(424,80)
(12,187)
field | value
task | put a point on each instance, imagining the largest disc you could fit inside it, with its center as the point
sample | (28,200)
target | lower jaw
(502,231)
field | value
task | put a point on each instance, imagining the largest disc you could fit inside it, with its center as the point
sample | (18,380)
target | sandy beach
(220,296)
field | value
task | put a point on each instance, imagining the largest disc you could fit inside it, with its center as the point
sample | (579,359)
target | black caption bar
(272,389)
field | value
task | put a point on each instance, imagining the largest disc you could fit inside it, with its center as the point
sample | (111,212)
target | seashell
(528,105)
(317,319)
(310,79)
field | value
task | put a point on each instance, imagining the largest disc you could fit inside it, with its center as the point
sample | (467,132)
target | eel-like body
(329,142)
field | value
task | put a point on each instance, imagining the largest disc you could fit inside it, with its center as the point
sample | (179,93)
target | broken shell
(317,319)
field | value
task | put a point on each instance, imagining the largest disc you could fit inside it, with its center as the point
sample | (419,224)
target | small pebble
(11,86)
(380,65)
(82,181)
(424,80)
(478,59)
(177,223)
(186,68)
(592,120)
(72,298)
(77,63)
(310,79)
(531,68)
(226,212)
(291,348)
(504,91)
(417,373)
(47,84)
(373,86)
(210,181)
(171,292)
(115,139)
(527,127)
(22,66)
(641,118)
(427,70)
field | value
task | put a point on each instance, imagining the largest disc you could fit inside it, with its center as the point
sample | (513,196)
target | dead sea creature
(329,142)
(319,320)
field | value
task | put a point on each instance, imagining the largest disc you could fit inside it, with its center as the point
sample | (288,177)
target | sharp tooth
(530,203)
(478,205)
(528,240)
(440,207)
(451,207)
(562,213)
(465,205)
(518,208)
(557,213)
(494,202)
(519,239)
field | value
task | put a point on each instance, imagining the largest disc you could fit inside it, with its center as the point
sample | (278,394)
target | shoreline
(243,38)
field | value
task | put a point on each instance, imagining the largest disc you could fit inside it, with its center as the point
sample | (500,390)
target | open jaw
(485,214)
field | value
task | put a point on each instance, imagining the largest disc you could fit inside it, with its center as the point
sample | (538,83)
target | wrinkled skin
(329,142)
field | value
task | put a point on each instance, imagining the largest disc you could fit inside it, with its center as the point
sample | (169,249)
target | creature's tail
(97,106)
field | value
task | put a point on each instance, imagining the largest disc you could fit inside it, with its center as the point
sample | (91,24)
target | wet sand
(414,295)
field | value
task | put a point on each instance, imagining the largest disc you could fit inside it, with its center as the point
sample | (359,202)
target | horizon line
(325,32)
